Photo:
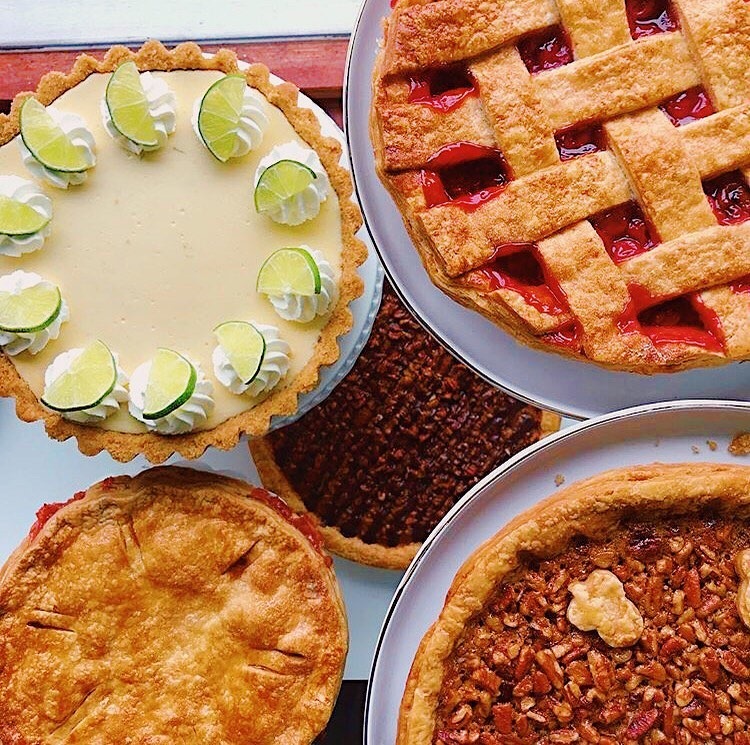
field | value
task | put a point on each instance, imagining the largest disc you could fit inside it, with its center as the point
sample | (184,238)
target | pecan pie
(576,170)
(616,611)
(176,606)
(407,433)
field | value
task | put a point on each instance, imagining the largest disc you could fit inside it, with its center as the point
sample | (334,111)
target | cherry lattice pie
(577,170)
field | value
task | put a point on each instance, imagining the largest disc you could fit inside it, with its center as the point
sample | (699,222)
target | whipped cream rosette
(302,204)
(85,385)
(32,311)
(250,359)
(283,279)
(170,394)
(25,194)
(229,119)
(159,104)
(43,126)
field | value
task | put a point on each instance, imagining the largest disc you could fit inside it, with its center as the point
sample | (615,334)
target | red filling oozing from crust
(519,267)
(649,17)
(570,337)
(303,523)
(741,286)
(47,511)
(580,140)
(688,107)
(546,50)
(625,231)
(729,197)
(443,89)
(682,320)
(464,174)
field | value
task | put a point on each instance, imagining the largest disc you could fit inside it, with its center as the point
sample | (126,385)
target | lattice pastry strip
(716,31)
(594,25)
(733,308)
(667,183)
(446,31)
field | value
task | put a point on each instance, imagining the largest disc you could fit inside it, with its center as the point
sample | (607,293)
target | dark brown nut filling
(402,438)
(522,674)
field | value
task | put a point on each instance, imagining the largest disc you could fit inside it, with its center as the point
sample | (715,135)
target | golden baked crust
(616,82)
(169,607)
(157,448)
(590,508)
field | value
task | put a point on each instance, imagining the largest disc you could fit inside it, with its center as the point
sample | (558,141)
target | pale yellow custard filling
(156,250)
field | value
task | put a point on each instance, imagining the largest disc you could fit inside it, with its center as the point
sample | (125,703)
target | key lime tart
(177,251)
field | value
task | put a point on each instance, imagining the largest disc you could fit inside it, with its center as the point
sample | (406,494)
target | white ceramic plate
(669,433)
(573,388)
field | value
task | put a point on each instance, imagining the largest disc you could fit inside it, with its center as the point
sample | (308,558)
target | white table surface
(28,23)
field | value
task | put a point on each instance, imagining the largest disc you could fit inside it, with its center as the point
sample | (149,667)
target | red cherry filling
(649,17)
(580,140)
(625,231)
(546,49)
(570,337)
(729,197)
(519,267)
(682,320)
(688,107)
(47,511)
(443,89)
(464,174)
(742,285)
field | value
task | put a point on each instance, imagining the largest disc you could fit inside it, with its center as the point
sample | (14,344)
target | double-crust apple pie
(174,607)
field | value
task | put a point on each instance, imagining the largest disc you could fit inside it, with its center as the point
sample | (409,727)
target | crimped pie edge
(124,446)
(588,507)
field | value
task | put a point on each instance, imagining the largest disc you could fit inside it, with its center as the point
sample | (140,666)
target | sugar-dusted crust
(352,548)
(588,508)
(157,448)
(169,607)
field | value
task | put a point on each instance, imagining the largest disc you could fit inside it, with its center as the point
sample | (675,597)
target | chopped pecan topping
(402,437)
(685,680)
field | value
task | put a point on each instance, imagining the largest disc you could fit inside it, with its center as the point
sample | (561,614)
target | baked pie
(176,606)
(616,611)
(391,450)
(577,171)
(177,251)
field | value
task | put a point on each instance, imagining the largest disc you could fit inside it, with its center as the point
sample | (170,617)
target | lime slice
(128,106)
(171,382)
(47,142)
(289,270)
(17,218)
(244,346)
(30,310)
(219,115)
(280,182)
(90,378)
